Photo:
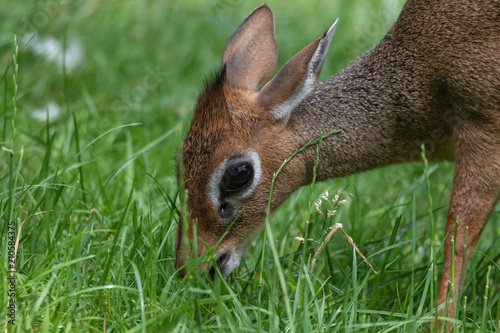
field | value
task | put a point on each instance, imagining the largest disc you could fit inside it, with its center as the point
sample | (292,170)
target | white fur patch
(231,264)
(319,56)
(284,110)
(213,186)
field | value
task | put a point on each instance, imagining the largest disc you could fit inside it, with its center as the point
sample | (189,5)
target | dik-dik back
(433,80)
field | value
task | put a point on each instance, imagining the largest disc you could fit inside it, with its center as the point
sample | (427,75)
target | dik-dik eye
(236,178)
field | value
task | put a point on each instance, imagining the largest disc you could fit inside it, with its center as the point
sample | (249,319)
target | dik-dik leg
(476,184)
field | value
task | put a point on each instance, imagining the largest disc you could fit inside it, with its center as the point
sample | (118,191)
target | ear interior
(251,55)
(296,78)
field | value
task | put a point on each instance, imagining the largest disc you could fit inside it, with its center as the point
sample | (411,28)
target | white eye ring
(213,190)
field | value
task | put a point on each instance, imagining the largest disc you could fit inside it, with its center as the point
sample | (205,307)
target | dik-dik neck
(386,105)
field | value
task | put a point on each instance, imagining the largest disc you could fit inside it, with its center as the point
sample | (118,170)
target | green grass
(95,201)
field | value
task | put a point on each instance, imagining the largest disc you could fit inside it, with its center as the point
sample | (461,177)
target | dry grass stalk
(327,240)
(334,204)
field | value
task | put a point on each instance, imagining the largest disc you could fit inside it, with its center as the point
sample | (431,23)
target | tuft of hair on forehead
(209,125)
(211,104)
(214,82)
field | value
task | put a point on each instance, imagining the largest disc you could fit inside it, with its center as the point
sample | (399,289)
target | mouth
(226,262)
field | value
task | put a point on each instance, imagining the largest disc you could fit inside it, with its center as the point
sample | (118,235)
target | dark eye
(236,177)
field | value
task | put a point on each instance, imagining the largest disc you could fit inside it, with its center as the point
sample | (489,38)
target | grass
(88,178)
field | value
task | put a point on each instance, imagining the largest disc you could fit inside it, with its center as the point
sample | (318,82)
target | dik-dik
(434,80)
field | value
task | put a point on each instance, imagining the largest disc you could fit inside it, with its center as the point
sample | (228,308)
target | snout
(182,251)
(226,260)
(226,256)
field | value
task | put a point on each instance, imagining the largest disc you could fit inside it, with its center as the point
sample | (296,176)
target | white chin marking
(231,263)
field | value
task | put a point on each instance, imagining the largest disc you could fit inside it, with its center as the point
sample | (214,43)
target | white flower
(51,49)
(51,110)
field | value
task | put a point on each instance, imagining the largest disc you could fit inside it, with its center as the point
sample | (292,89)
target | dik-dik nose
(226,256)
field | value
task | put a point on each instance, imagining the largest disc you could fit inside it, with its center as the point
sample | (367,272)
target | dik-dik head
(239,136)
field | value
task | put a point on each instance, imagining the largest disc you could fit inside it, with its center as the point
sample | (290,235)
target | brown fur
(434,79)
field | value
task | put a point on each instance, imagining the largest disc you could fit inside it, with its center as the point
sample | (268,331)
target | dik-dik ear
(296,78)
(250,55)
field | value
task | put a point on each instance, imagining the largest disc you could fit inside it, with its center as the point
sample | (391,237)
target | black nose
(222,260)
(221,263)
